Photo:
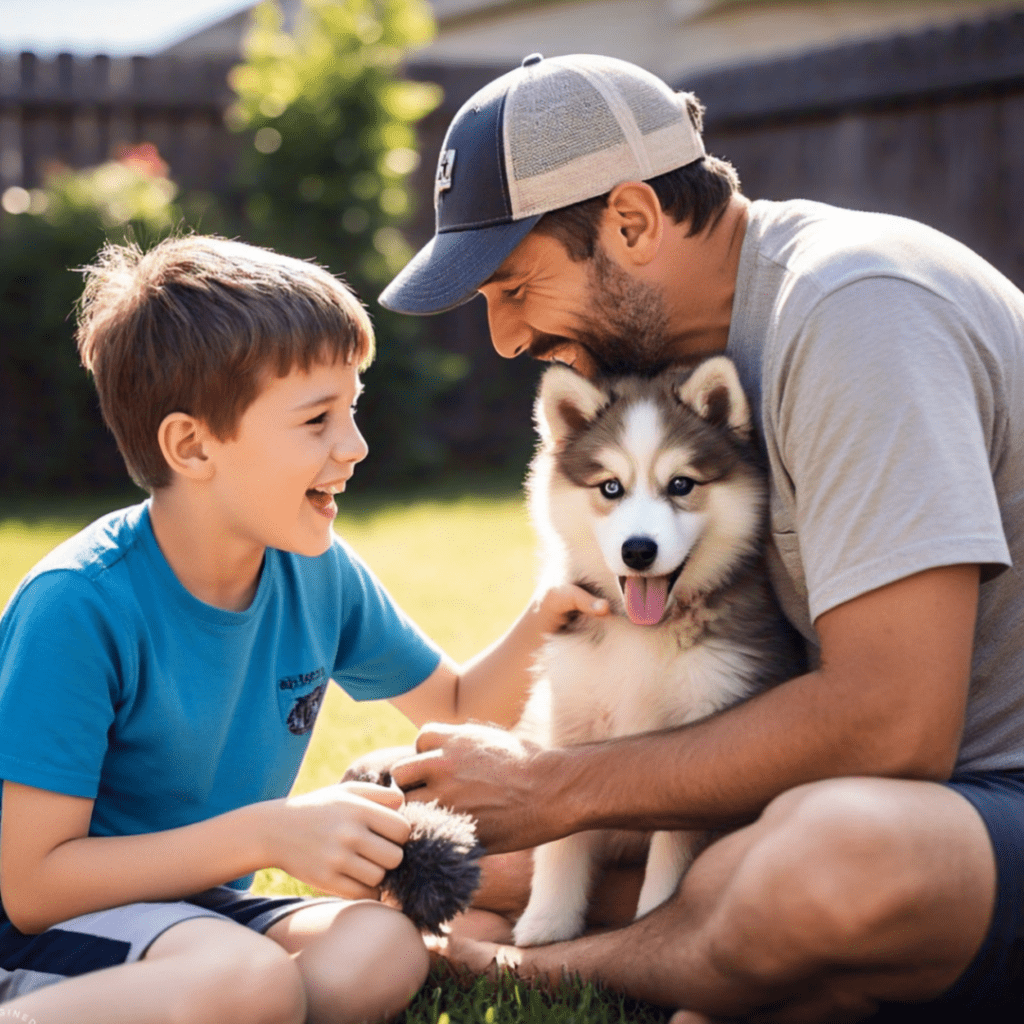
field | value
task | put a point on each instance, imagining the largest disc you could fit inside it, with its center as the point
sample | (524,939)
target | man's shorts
(122,935)
(992,987)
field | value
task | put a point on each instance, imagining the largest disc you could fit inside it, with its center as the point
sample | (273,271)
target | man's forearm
(96,872)
(889,700)
(799,732)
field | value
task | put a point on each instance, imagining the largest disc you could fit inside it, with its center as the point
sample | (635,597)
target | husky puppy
(649,492)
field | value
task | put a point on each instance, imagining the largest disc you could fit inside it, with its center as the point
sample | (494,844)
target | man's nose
(510,336)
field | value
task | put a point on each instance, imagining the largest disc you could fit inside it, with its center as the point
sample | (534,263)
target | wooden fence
(78,111)
(929,126)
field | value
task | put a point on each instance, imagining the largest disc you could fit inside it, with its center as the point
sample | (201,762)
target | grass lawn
(462,567)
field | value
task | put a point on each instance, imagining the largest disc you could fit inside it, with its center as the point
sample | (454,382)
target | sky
(115,27)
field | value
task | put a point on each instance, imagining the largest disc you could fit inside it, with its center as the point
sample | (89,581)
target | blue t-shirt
(118,685)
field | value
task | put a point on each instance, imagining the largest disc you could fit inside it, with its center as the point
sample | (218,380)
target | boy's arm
(340,839)
(493,686)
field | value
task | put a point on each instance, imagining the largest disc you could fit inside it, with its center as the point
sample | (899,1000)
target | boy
(160,672)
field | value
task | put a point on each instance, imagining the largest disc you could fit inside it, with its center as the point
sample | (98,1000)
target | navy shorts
(122,935)
(992,987)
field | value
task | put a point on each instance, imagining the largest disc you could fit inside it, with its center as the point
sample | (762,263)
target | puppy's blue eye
(680,486)
(612,489)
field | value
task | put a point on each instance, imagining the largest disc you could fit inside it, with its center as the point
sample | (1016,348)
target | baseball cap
(546,135)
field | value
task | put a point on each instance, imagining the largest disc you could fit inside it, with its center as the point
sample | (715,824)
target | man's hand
(486,772)
(340,839)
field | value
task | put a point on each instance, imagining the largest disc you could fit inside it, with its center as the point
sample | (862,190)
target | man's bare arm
(888,700)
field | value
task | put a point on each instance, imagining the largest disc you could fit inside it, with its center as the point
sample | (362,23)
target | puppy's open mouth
(645,597)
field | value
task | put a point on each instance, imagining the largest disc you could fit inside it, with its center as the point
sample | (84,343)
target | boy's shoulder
(98,547)
(89,554)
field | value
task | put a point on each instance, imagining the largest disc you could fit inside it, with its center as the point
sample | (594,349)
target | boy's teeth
(320,498)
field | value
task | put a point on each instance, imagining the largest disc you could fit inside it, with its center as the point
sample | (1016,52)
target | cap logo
(445,168)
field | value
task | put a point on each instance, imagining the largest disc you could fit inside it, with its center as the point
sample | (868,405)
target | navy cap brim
(450,268)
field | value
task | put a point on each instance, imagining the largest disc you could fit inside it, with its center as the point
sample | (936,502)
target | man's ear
(713,391)
(182,440)
(566,403)
(633,223)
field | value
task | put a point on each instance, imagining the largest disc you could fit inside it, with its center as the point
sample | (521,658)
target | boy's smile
(296,447)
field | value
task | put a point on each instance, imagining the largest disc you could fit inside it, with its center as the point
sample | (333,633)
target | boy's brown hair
(195,325)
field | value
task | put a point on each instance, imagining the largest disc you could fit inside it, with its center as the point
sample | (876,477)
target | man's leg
(200,969)
(359,961)
(843,894)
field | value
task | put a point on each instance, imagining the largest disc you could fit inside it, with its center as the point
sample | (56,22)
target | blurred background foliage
(332,131)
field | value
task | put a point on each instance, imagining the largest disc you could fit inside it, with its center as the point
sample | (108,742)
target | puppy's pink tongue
(645,599)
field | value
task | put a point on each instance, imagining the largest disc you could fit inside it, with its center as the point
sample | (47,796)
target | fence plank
(78,111)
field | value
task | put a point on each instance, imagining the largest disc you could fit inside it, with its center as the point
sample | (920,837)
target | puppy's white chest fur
(629,679)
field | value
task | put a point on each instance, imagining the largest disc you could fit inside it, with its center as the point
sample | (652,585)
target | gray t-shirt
(884,363)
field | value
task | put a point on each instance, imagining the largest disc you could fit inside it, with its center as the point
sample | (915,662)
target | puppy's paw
(539,926)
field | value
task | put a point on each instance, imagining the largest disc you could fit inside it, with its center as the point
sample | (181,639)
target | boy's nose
(351,448)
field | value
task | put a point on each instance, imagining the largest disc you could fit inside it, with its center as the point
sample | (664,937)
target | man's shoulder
(823,248)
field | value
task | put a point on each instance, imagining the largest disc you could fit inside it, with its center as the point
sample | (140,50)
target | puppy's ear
(713,391)
(566,403)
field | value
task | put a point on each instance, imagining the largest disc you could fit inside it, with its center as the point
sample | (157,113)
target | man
(879,851)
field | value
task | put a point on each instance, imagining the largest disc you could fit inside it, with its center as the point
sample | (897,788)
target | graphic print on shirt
(300,697)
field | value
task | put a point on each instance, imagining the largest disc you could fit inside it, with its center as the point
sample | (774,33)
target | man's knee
(830,878)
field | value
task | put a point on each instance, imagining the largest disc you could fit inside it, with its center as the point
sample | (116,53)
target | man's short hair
(698,192)
(196,325)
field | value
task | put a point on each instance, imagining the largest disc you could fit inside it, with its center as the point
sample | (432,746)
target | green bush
(51,432)
(332,144)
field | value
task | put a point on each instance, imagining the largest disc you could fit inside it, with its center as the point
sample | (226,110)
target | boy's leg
(201,968)
(360,961)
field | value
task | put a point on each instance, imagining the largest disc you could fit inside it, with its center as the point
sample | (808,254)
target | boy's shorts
(992,987)
(122,935)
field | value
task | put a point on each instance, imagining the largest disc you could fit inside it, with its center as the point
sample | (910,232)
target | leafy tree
(333,136)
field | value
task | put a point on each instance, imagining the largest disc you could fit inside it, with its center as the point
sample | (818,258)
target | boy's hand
(557,605)
(340,839)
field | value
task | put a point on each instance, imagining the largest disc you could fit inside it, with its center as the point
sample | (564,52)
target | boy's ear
(182,440)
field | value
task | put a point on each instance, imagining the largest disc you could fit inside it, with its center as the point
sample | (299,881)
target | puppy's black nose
(639,552)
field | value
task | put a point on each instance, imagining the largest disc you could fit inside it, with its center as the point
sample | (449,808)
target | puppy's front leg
(671,853)
(559,892)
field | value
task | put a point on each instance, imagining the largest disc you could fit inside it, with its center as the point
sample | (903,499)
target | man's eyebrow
(499,275)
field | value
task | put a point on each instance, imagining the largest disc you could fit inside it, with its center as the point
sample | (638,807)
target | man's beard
(626,329)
